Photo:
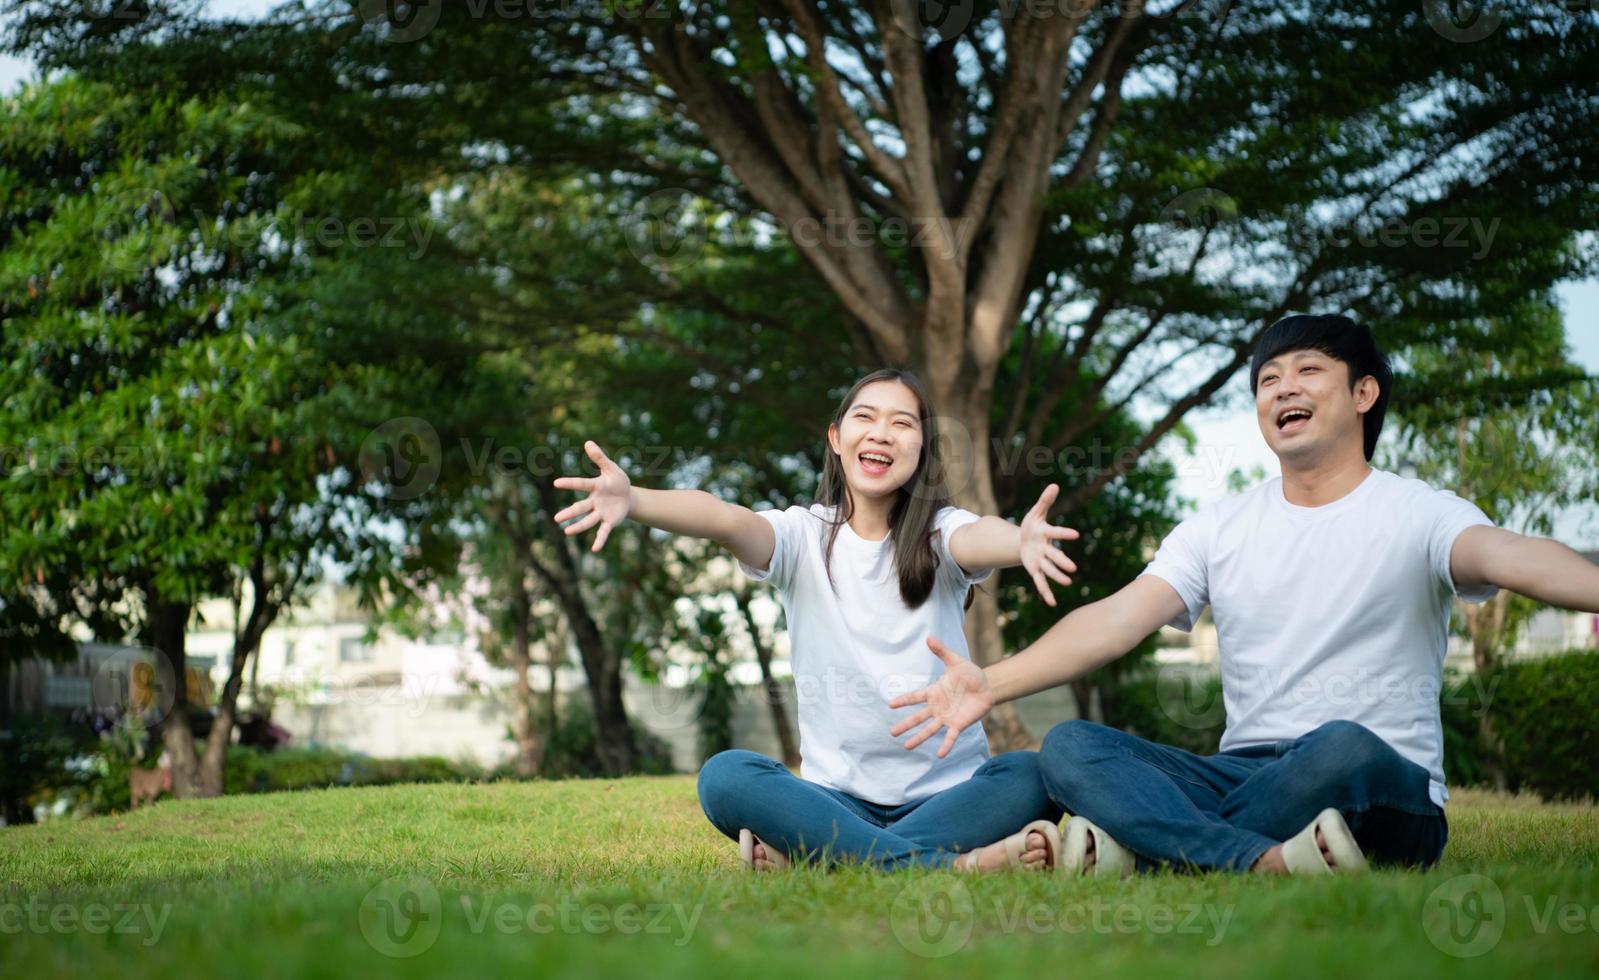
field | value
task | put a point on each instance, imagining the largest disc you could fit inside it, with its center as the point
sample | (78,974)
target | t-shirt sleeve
(1450,516)
(788,526)
(946,523)
(1181,563)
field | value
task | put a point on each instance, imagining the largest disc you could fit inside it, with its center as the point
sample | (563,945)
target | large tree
(1056,214)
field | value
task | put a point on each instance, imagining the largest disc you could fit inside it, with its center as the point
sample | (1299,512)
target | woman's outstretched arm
(611,498)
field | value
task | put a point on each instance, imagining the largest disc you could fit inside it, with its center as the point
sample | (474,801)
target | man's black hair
(1341,339)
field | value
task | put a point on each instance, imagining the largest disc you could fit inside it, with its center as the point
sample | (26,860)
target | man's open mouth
(1293,419)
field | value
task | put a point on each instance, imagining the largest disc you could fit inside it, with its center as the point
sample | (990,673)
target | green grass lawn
(597,878)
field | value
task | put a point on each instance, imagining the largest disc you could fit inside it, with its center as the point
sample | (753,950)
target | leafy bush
(573,748)
(1546,713)
(1173,704)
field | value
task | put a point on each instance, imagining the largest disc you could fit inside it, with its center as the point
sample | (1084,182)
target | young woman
(877,565)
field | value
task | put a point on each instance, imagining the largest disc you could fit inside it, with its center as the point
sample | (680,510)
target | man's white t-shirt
(855,647)
(1339,612)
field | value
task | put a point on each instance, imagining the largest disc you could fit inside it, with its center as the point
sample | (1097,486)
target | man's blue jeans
(1172,807)
(809,822)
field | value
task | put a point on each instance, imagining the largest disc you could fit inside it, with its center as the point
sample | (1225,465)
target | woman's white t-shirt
(1331,613)
(854,646)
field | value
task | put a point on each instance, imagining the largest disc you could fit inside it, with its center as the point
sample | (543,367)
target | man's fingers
(943,653)
(924,734)
(584,483)
(910,722)
(906,700)
(567,513)
(951,733)
(584,524)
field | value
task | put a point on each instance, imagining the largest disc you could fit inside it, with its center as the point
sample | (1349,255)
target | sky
(1227,437)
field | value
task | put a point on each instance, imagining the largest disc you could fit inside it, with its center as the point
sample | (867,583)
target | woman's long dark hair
(910,522)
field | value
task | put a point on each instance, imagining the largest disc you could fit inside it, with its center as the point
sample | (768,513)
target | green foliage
(572,749)
(36,756)
(1544,710)
(1171,706)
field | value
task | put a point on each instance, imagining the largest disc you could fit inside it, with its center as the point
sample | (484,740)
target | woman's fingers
(584,524)
(599,539)
(911,722)
(1056,575)
(581,507)
(1060,558)
(584,483)
(597,454)
(1043,588)
(1046,500)
(1062,533)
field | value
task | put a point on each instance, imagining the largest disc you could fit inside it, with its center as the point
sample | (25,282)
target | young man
(1330,589)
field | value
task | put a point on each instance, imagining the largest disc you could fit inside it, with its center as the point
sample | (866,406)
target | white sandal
(1302,854)
(746,852)
(1111,860)
(1016,846)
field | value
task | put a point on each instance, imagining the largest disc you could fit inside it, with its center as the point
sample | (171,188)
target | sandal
(1016,845)
(1302,854)
(1111,860)
(746,852)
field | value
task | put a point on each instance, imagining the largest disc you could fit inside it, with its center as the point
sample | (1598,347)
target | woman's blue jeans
(808,822)
(1172,807)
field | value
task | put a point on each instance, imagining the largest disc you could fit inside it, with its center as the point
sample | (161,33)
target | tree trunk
(774,690)
(524,721)
(166,630)
(964,436)
(602,666)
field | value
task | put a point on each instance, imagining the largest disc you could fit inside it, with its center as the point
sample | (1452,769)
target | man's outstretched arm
(1537,568)
(1090,637)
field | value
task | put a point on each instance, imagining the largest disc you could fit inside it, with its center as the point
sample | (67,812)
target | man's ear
(1366,393)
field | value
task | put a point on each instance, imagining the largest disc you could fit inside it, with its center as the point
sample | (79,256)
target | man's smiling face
(1306,408)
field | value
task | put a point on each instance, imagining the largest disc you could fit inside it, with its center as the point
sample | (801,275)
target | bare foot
(1035,856)
(762,859)
(1272,861)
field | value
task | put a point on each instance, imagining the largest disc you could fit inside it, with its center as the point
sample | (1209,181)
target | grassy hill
(607,877)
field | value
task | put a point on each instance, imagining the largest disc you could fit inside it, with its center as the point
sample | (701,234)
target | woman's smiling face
(879,439)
